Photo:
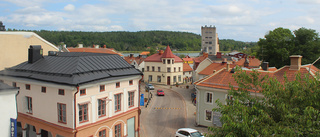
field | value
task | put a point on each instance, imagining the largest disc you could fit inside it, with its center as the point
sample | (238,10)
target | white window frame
(205,96)
(205,115)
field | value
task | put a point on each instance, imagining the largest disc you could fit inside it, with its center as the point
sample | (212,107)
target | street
(164,115)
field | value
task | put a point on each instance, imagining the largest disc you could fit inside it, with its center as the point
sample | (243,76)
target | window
(83,113)
(210,48)
(208,115)
(152,68)
(101,107)
(158,69)
(28,87)
(14,84)
(174,69)
(210,42)
(210,37)
(164,61)
(179,78)
(102,133)
(131,99)
(130,82)
(102,88)
(147,68)
(43,89)
(61,91)
(117,84)
(150,77)
(62,114)
(179,69)
(117,102)
(209,97)
(174,79)
(207,42)
(117,130)
(158,78)
(29,103)
(168,61)
(142,69)
(172,61)
(168,69)
(83,92)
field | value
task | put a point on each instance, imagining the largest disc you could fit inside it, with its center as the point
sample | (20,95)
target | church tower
(209,40)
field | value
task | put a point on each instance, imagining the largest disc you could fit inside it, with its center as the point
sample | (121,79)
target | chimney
(295,61)
(246,62)
(35,53)
(104,46)
(228,67)
(224,60)
(265,66)
(80,45)
(160,52)
(131,55)
(218,55)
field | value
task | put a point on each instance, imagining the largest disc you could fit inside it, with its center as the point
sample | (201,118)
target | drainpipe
(139,109)
(75,113)
(197,103)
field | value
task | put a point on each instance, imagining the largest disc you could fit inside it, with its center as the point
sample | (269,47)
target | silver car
(188,132)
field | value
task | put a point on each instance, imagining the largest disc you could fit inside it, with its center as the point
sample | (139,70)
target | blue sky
(244,20)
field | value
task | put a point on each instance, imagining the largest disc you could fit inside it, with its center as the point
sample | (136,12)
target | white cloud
(69,7)
(309,1)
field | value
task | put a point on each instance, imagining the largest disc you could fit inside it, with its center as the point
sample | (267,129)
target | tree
(276,46)
(152,51)
(291,108)
(281,43)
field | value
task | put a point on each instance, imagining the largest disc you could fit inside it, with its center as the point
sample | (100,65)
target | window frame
(61,92)
(102,107)
(43,89)
(168,61)
(29,105)
(148,68)
(209,98)
(158,78)
(131,99)
(152,68)
(159,69)
(130,82)
(117,130)
(102,89)
(105,133)
(117,84)
(117,102)
(82,109)
(28,86)
(14,84)
(83,92)
(168,69)
(206,116)
(60,112)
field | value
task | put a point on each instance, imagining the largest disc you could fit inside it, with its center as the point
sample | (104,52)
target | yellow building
(163,68)
(14,47)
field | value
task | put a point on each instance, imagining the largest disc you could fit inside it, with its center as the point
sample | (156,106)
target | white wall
(8,110)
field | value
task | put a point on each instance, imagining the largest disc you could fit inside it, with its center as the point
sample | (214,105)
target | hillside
(137,41)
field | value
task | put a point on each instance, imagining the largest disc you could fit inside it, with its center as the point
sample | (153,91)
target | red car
(160,92)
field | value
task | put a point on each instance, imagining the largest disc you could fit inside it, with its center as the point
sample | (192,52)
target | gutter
(75,113)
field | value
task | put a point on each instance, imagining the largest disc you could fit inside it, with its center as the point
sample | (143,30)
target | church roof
(158,56)
(168,53)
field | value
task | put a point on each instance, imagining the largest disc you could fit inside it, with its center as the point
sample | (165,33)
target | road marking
(166,108)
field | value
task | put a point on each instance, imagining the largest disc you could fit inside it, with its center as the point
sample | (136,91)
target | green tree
(291,108)
(152,51)
(276,46)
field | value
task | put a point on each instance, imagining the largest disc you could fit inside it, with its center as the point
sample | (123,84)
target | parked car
(160,92)
(188,132)
(150,87)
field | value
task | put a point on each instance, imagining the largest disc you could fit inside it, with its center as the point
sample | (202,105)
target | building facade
(210,40)
(163,68)
(76,94)
(14,47)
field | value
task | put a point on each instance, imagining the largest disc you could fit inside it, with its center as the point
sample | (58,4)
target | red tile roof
(158,56)
(186,67)
(215,66)
(199,59)
(222,78)
(94,50)
(129,59)
(253,62)
(187,59)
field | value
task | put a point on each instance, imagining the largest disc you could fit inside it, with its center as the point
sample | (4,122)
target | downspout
(17,103)
(139,109)
(197,103)
(75,113)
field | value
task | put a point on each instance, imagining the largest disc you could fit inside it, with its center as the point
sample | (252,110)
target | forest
(136,41)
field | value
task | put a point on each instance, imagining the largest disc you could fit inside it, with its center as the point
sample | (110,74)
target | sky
(243,20)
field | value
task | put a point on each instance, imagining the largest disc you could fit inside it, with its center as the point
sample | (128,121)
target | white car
(188,132)
(150,86)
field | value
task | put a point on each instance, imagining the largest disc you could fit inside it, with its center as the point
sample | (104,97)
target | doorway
(168,80)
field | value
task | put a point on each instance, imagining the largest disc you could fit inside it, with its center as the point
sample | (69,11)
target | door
(168,80)
(130,128)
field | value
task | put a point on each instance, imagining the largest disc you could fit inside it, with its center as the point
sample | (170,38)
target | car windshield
(160,91)
(196,134)
(149,85)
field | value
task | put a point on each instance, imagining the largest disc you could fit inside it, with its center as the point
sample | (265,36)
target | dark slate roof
(73,68)
(4,87)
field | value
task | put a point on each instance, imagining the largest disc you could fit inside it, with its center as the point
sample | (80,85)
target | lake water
(177,54)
